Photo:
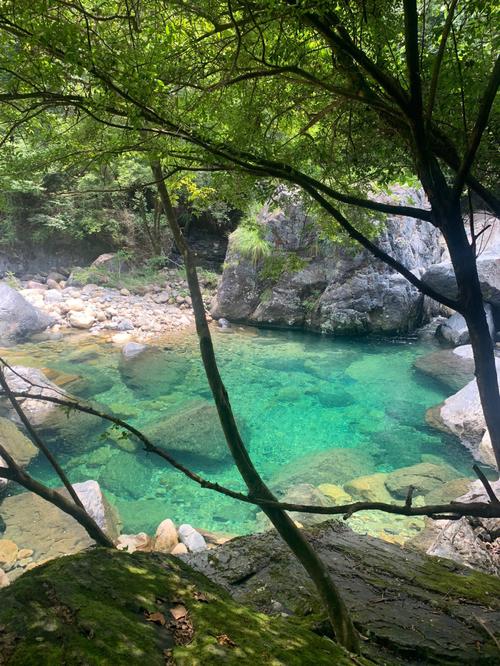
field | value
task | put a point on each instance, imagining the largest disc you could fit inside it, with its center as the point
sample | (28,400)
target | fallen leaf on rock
(156,617)
(224,639)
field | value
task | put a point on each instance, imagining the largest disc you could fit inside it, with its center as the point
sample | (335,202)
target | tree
(272,86)
(205,76)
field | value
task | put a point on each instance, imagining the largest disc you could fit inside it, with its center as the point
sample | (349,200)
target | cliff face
(332,289)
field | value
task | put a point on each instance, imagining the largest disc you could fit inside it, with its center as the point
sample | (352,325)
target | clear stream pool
(295,395)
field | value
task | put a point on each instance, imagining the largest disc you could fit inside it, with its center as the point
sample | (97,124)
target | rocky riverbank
(160,309)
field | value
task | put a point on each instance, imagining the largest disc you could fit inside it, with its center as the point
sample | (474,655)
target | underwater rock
(132,349)
(448,366)
(127,474)
(336,493)
(153,372)
(369,488)
(302,493)
(31,522)
(193,434)
(16,444)
(18,318)
(448,491)
(71,428)
(424,477)
(331,466)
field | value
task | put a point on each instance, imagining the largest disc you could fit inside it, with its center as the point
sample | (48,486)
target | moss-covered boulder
(414,609)
(111,608)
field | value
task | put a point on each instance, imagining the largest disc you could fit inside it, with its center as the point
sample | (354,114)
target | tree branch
(478,130)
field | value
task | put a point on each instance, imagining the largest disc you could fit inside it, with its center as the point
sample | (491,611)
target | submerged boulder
(310,283)
(18,318)
(193,434)
(424,477)
(16,444)
(71,428)
(32,522)
(450,367)
(335,466)
(152,372)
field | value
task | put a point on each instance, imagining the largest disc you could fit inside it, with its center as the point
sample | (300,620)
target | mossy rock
(128,474)
(109,608)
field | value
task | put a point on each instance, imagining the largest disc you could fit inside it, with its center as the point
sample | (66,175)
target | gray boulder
(325,287)
(18,318)
(468,542)
(454,330)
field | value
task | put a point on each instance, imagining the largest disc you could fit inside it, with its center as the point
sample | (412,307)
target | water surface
(294,394)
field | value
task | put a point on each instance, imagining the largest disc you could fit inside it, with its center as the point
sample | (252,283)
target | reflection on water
(294,394)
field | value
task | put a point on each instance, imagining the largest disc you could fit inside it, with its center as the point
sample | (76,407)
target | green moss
(91,609)
(442,576)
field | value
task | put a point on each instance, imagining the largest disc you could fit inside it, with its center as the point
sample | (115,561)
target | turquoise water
(294,395)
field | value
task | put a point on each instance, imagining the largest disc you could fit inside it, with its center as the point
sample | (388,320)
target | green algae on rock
(106,607)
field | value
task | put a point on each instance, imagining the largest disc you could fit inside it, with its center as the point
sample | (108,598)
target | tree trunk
(340,619)
(469,292)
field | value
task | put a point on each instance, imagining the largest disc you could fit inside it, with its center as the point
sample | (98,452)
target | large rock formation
(470,542)
(462,415)
(332,289)
(441,276)
(420,610)
(109,607)
(18,318)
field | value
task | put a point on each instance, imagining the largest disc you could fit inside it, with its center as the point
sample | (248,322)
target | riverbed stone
(191,538)
(8,553)
(335,493)
(153,372)
(331,466)
(83,319)
(193,434)
(16,443)
(18,318)
(302,493)
(32,522)
(424,477)
(166,536)
(127,474)
(134,542)
(448,491)
(369,488)
(450,367)
(455,330)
